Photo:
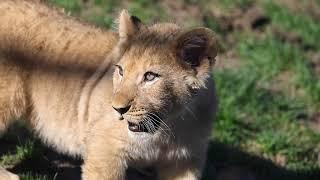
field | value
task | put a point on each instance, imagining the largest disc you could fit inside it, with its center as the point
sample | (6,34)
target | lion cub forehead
(165,28)
(152,46)
(155,35)
(146,58)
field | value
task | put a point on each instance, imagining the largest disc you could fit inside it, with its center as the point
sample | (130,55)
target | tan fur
(57,75)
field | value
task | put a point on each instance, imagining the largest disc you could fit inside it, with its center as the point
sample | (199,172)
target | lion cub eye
(120,70)
(150,76)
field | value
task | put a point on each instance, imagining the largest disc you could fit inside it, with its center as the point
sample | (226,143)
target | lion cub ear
(128,25)
(195,46)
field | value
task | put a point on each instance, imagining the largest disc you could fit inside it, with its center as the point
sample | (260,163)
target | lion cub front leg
(104,169)
(181,171)
(103,161)
(178,174)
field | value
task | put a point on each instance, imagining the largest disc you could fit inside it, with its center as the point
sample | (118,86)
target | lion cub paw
(6,175)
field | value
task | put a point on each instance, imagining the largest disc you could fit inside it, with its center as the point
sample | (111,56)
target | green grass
(229,4)
(265,103)
(30,176)
(73,6)
(263,122)
(101,12)
(147,10)
(258,118)
(22,151)
(306,27)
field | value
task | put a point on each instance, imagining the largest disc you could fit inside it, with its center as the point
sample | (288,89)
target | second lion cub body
(154,108)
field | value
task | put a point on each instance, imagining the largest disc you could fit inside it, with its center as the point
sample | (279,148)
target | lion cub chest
(145,153)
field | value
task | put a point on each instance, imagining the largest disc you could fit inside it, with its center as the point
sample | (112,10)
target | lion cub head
(160,68)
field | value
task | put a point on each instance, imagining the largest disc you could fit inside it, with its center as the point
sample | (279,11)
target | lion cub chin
(140,97)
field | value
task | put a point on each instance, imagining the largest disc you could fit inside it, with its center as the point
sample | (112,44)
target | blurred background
(268,81)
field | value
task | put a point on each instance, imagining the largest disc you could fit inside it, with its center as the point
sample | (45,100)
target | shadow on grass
(35,159)
(228,163)
(224,163)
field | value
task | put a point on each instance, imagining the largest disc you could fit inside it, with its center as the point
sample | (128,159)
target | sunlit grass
(289,21)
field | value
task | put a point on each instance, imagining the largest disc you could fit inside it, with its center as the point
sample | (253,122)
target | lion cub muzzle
(136,123)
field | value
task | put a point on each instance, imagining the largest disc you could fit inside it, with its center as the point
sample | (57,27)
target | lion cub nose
(122,110)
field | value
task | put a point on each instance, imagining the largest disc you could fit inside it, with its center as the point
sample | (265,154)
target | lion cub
(141,97)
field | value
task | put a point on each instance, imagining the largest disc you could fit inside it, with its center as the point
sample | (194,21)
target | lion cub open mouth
(140,127)
(144,126)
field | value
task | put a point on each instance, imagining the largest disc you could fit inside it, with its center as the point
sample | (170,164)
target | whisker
(154,120)
(152,126)
(159,120)
(146,125)
(192,113)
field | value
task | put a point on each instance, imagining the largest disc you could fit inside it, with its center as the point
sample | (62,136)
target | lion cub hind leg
(6,118)
(12,96)
(12,103)
(6,175)
(4,121)
(2,129)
